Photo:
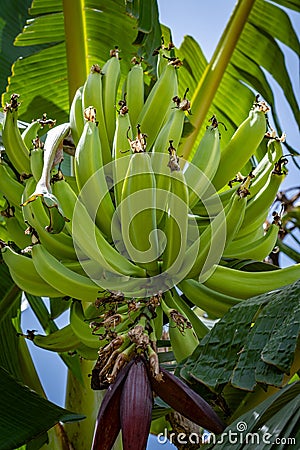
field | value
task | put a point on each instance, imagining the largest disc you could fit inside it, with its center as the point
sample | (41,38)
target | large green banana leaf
(240,67)
(16,366)
(274,423)
(69,48)
(35,413)
(12,18)
(252,347)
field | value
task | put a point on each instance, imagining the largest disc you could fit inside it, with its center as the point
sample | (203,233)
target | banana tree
(137,204)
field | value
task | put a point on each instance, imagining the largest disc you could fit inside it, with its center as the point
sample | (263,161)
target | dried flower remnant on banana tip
(184,104)
(173,163)
(139,144)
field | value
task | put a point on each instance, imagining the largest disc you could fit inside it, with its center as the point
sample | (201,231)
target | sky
(206,26)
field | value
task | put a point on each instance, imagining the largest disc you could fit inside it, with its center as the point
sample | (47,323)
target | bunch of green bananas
(136,224)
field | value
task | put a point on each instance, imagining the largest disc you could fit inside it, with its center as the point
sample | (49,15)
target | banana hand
(243,284)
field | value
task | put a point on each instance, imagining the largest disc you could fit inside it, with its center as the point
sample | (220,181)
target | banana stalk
(84,400)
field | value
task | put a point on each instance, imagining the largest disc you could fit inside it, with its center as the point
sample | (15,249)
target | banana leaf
(253,346)
(10,294)
(13,16)
(100,26)
(273,423)
(254,343)
(36,415)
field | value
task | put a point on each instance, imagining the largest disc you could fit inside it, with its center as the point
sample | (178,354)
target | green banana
(9,185)
(62,340)
(92,96)
(135,92)
(15,147)
(161,168)
(111,78)
(158,104)
(204,164)
(211,205)
(211,301)
(167,139)
(214,239)
(69,179)
(257,249)
(31,132)
(25,276)
(60,245)
(64,190)
(61,278)
(138,212)
(214,203)
(175,224)
(199,327)
(37,161)
(242,145)
(81,327)
(90,175)
(87,352)
(262,171)
(183,341)
(182,345)
(16,231)
(76,115)
(242,284)
(83,267)
(66,197)
(170,131)
(120,146)
(252,236)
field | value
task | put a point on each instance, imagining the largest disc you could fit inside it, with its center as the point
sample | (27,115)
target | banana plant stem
(212,76)
(81,398)
(76,44)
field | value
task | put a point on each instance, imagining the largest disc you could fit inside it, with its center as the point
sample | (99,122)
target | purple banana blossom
(127,406)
